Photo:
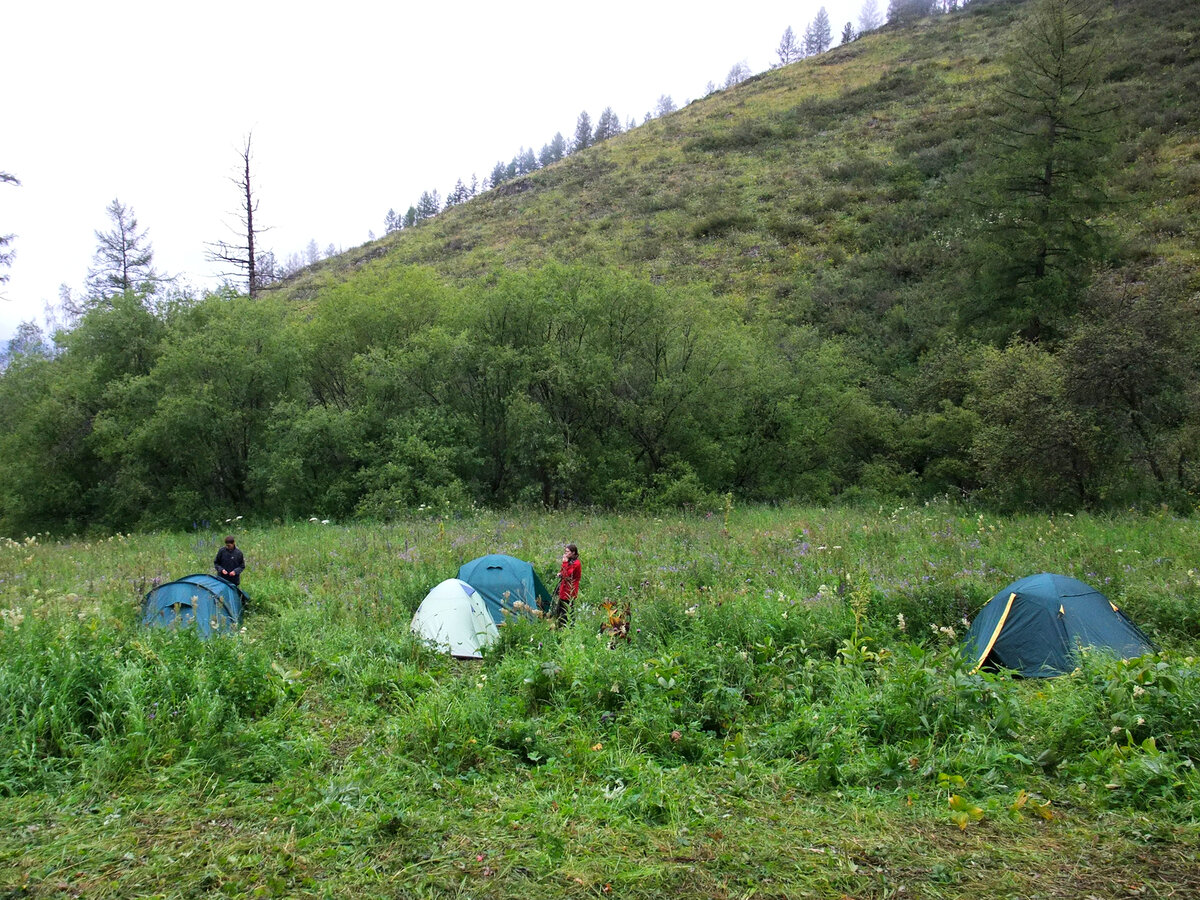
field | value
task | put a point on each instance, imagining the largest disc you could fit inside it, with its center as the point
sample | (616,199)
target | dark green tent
(1037,625)
(503,580)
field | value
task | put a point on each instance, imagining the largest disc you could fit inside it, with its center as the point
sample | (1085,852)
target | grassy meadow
(790,718)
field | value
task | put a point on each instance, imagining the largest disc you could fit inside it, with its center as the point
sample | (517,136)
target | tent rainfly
(1036,627)
(209,604)
(454,618)
(502,581)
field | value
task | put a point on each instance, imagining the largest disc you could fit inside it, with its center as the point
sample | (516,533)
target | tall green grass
(775,651)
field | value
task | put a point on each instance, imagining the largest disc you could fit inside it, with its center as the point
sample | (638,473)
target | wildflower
(597,747)
(676,736)
(1138,690)
(1141,721)
(900,623)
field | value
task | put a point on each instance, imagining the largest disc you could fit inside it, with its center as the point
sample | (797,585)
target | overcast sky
(355,107)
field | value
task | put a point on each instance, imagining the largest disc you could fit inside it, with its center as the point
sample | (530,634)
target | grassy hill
(837,190)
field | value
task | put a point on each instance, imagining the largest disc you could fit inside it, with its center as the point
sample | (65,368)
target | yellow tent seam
(995,633)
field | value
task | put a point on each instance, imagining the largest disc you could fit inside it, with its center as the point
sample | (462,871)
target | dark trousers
(562,610)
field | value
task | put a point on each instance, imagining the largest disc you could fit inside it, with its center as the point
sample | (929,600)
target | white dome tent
(454,617)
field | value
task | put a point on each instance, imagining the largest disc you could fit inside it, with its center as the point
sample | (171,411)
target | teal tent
(205,602)
(1036,627)
(502,581)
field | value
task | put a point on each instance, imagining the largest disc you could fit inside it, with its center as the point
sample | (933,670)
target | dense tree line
(574,385)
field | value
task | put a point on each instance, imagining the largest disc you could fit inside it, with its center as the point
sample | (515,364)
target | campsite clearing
(790,719)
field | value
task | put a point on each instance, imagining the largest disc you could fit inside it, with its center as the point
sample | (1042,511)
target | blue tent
(208,603)
(502,581)
(1037,625)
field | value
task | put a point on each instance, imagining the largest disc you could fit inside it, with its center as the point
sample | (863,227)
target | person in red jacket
(568,582)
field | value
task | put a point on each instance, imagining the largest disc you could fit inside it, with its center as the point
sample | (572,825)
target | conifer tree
(738,73)
(553,151)
(583,133)
(869,17)
(428,205)
(818,37)
(1047,181)
(124,260)
(789,49)
(908,10)
(607,126)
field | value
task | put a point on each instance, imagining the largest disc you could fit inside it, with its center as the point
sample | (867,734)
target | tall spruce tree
(1047,182)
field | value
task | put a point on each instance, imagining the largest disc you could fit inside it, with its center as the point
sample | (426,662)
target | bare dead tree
(243,255)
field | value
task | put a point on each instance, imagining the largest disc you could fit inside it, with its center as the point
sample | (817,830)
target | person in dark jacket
(230,562)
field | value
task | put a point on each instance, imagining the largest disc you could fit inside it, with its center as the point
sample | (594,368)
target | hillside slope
(835,190)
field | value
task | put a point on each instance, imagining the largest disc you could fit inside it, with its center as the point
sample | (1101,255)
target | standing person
(230,562)
(568,582)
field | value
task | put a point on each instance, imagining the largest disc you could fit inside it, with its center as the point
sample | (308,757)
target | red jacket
(568,586)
